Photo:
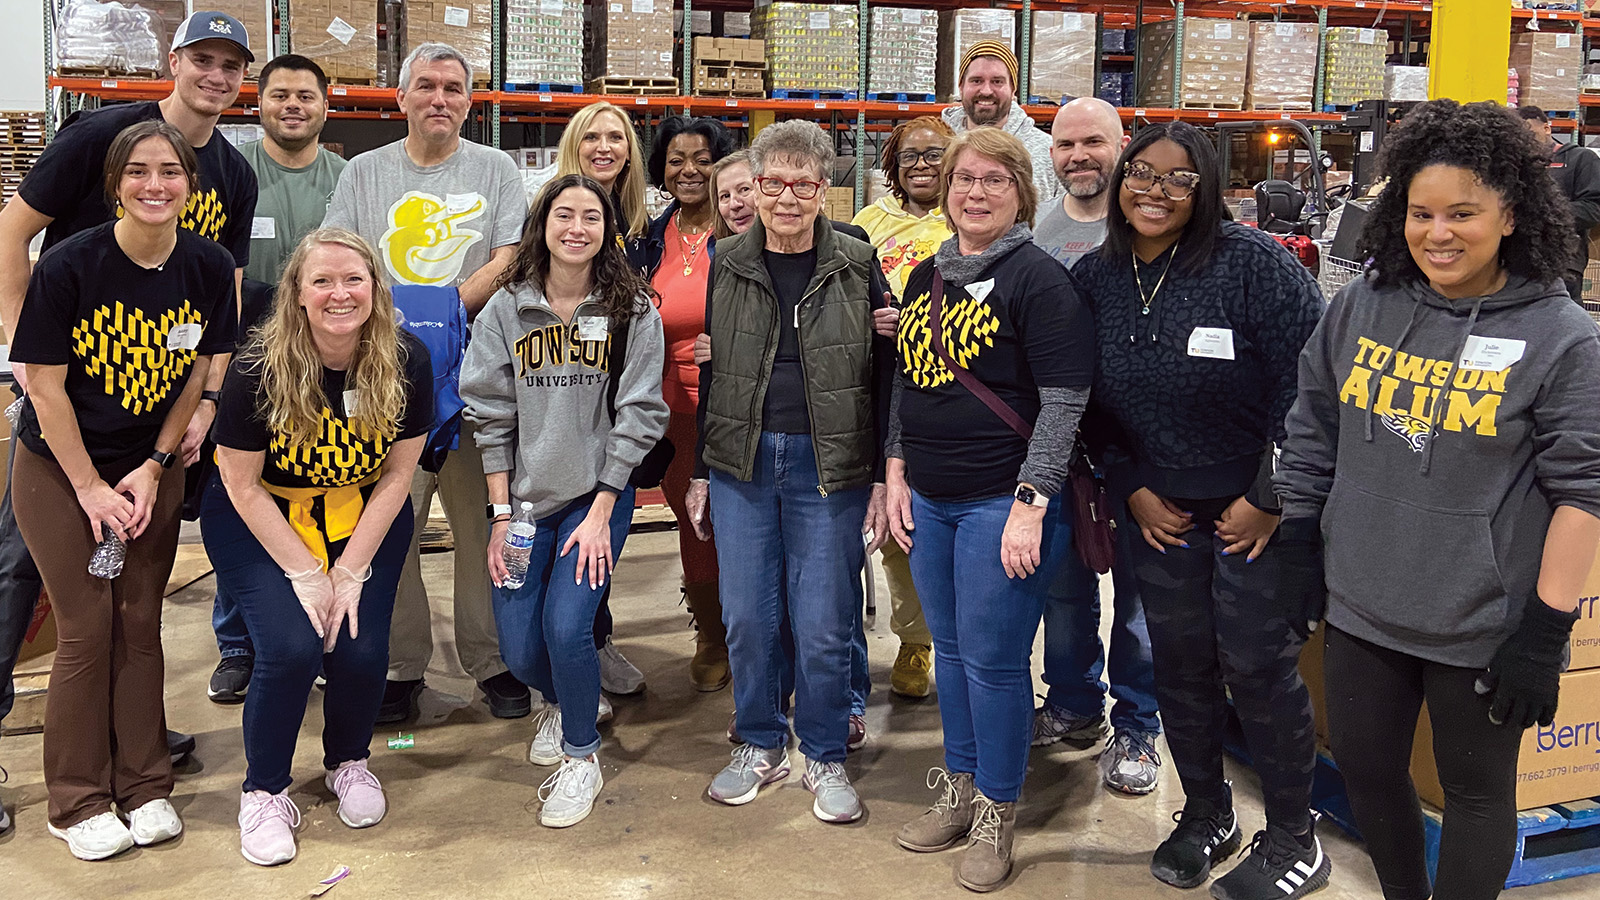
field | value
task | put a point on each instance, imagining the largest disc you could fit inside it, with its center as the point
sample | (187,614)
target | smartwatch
(165,460)
(499,509)
(213,396)
(1026,494)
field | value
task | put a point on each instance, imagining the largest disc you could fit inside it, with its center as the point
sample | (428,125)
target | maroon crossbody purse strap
(968,380)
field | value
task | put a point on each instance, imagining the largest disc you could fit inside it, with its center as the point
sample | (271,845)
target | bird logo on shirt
(425,243)
(1416,431)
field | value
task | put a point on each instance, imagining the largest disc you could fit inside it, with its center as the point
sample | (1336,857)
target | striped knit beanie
(992,48)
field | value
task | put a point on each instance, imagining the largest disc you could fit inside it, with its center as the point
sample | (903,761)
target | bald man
(1085,140)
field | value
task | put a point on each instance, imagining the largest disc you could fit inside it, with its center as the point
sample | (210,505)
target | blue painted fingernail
(1184,546)
(1224,553)
(1249,559)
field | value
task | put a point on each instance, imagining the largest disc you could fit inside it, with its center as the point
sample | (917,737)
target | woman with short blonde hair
(318,430)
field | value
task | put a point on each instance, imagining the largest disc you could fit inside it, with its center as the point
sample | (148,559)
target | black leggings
(1374,696)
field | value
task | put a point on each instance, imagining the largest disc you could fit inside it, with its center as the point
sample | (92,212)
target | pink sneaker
(360,795)
(266,827)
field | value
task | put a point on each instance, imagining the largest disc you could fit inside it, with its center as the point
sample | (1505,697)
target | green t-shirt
(291,203)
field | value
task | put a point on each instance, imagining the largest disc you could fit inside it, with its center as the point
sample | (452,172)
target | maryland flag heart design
(967,327)
(128,353)
(343,454)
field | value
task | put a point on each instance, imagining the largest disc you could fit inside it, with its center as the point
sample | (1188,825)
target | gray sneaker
(1054,725)
(1130,763)
(837,800)
(752,767)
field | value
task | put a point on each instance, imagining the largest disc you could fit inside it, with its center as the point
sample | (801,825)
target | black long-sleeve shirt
(1195,422)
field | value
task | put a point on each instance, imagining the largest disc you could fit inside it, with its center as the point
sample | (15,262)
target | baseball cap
(212,26)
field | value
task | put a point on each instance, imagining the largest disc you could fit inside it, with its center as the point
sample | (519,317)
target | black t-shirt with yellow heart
(129,336)
(344,453)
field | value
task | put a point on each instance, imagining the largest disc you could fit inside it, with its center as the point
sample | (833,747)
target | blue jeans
(227,620)
(786,547)
(289,654)
(20,586)
(860,675)
(1075,658)
(546,627)
(983,625)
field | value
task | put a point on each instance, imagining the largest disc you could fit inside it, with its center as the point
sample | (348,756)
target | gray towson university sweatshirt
(1435,438)
(535,387)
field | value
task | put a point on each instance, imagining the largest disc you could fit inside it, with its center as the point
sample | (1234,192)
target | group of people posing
(1416,465)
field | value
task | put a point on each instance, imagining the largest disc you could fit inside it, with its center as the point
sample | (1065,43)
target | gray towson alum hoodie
(1435,438)
(536,389)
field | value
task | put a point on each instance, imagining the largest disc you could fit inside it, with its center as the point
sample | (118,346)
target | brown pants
(105,737)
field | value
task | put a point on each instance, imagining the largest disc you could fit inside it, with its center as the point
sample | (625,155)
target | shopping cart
(1592,307)
(1335,274)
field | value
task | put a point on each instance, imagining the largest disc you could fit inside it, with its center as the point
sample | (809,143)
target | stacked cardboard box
(729,67)
(1548,65)
(1215,63)
(1061,65)
(960,29)
(1405,83)
(544,41)
(632,40)
(903,51)
(840,204)
(1355,65)
(1283,65)
(463,24)
(255,16)
(341,35)
(810,46)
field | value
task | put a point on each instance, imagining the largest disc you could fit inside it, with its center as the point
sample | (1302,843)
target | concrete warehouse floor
(463,809)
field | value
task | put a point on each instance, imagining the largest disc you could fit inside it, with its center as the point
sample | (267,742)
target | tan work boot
(947,822)
(911,667)
(987,861)
(709,668)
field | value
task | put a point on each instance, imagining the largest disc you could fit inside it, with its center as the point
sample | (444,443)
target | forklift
(1292,210)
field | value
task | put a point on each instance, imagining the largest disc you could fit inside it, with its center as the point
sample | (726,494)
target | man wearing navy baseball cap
(64,194)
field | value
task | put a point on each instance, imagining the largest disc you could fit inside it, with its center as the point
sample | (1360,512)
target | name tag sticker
(264,227)
(1212,343)
(455,204)
(593,328)
(978,290)
(184,337)
(1490,354)
(351,400)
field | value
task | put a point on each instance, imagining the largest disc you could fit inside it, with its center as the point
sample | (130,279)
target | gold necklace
(689,249)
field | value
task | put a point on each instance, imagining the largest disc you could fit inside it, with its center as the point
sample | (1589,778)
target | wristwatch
(498,509)
(164,459)
(1026,494)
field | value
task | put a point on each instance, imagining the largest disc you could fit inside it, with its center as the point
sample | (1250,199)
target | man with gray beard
(1085,140)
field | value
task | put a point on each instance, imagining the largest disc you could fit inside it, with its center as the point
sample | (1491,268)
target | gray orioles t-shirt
(431,224)
(1065,238)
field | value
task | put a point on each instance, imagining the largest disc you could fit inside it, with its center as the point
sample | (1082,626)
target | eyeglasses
(803,190)
(962,182)
(908,158)
(1140,178)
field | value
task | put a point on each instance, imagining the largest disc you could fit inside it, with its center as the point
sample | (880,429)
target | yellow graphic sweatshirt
(902,240)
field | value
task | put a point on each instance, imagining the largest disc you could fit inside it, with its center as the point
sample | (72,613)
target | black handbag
(653,468)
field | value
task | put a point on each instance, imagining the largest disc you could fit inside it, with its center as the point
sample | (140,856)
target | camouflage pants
(1216,629)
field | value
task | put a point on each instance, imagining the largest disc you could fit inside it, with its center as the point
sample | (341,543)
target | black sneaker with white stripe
(1279,867)
(1207,833)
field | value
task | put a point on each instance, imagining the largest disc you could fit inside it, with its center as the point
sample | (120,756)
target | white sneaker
(546,747)
(5,819)
(569,794)
(617,675)
(606,713)
(97,837)
(154,822)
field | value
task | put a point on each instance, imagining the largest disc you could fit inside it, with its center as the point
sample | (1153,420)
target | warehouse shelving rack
(858,123)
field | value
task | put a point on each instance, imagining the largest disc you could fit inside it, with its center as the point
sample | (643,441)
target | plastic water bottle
(519,547)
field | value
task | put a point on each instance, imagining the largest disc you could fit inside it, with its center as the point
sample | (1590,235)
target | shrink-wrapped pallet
(903,51)
(960,29)
(1283,65)
(1355,65)
(1548,65)
(1061,64)
(544,41)
(1215,61)
(810,46)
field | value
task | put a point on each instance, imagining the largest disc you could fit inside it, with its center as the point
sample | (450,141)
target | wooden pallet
(733,95)
(103,72)
(1235,107)
(633,86)
(731,64)
(1281,107)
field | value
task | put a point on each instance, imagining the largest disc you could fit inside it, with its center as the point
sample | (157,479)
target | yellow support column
(1470,50)
(759,119)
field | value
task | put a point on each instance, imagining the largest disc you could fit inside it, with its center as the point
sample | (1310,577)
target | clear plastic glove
(314,590)
(346,603)
(698,502)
